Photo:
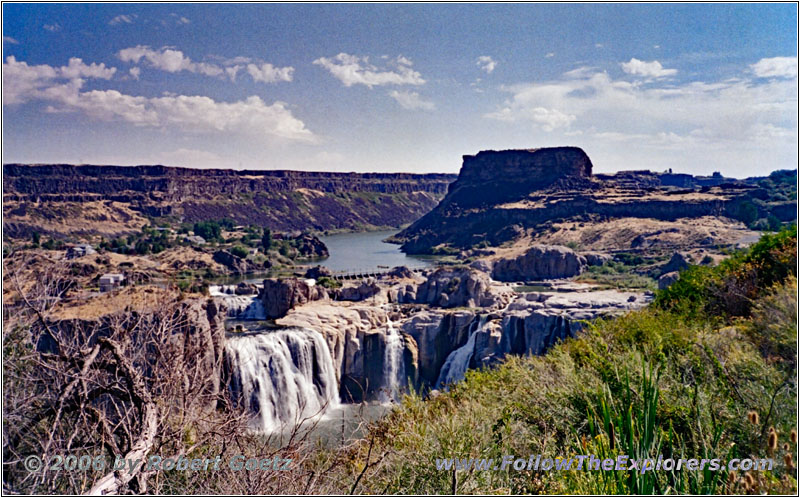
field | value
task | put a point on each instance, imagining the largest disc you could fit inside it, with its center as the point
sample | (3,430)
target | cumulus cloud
(357,70)
(550,54)
(652,69)
(52,27)
(411,100)
(267,73)
(8,39)
(76,68)
(135,72)
(173,61)
(167,59)
(22,82)
(775,67)
(486,63)
(62,89)
(122,19)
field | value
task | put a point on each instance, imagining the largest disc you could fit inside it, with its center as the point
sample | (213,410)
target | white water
(282,377)
(248,307)
(394,371)
(457,362)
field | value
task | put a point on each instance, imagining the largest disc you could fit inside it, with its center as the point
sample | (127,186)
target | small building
(111,281)
(80,250)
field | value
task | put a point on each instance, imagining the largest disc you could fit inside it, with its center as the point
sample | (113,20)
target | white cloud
(8,39)
(735,111)
(411,100)
(267,73)
(775,67)
(598,45)
(251,116)
(652,69)
(173,61)
(486,63)
(167,59)
(52,27)
(22,82)
(232,72)
(135,72)
(179,19)
(123,19)
(356,70)
(77,69)
(549,54)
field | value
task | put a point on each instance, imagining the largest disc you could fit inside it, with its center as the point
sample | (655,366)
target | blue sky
(409,87)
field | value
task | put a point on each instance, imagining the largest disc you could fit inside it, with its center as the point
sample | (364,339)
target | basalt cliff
(111,200)
(502,196)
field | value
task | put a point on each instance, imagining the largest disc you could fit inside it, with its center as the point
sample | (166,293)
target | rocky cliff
(501,196)
(35,195)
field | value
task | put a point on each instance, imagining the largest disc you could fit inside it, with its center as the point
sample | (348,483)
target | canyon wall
(112,200)
(500,196)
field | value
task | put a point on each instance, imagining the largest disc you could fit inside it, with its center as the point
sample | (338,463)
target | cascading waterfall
(393,367)
(281,377)
(457,362)
(249,307)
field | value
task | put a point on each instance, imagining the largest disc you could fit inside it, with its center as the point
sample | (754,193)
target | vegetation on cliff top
(707,371)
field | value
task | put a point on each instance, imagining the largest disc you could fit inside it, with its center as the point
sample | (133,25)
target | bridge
(366,273)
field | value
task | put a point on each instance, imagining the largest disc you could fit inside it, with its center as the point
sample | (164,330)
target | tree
(239,251)
(35,238)
(209,230)
(266,239)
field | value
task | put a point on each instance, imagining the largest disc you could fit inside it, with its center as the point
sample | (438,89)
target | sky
(697,88)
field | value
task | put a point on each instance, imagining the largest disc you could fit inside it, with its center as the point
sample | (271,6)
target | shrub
(328,283)
(239,251)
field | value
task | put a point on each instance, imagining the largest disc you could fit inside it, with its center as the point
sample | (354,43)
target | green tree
(36,238)
(209,230)
(239,251)
(266,239)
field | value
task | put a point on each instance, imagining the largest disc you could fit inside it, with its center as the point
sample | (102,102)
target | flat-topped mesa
(507,175)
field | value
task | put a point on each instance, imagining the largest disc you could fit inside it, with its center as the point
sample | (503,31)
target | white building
(79,250)
(110,281)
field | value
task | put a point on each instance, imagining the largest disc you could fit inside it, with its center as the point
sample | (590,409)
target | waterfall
(393,367)
(281,377)
(248,307)
(456,364)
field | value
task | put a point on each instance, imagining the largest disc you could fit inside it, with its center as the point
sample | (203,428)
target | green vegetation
(777,194)
(239,251)
(149,241)
(328,283)
(691,376)
(617,275)
(209,230)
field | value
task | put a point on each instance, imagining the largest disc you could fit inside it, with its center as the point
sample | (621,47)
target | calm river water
(366,251)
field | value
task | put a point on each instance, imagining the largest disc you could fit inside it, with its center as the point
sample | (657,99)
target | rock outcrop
(309,246)
(508,175)
(364,290)
(667,279)
(234,264)
(501,196)
(679,261)
(281,295)
(454,287)
(540,262)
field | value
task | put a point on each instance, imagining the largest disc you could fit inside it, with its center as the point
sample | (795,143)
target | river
(366,251)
